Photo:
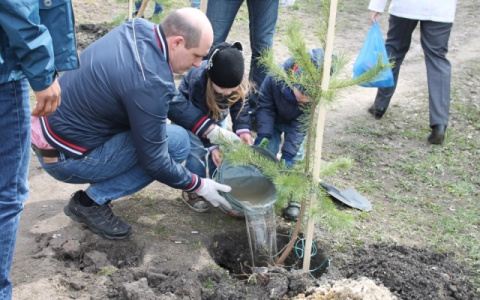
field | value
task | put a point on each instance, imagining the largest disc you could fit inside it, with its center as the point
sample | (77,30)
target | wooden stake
(203,6)
(130,9)
(142,9)
(320,114)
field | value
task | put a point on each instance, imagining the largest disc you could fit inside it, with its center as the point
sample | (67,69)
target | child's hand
(216,157)
(246,138)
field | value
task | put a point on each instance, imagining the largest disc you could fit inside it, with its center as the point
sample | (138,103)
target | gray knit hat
(225,66)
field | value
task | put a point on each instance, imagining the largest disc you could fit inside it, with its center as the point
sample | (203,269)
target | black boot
(376,111)
(438,134)
(292,211)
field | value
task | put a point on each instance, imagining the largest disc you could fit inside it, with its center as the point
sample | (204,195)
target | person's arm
(190,117)
(184,113)
(239,115)
(241,121)
(147,117)
(266,110)
(32,44)
(191,89)
(376,7)
(293,139)
(148,121)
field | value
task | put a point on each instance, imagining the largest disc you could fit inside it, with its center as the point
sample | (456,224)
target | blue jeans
(196,161)
(262,15)
(14,161)
(274,143)
(158,7)
(195,3)
(113,169)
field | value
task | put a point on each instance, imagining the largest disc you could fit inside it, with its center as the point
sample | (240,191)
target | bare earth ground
(175,253)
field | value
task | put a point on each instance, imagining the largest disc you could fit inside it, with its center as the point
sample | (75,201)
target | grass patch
(107,271)
(208,284)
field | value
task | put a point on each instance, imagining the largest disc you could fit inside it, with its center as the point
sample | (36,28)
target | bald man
(111,130)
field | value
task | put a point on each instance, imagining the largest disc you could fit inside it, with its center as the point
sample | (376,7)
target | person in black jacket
(218,88)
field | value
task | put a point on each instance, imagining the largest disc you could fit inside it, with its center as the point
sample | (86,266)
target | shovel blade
(349,197)
(357,200)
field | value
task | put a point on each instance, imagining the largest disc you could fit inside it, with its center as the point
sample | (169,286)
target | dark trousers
(434,38)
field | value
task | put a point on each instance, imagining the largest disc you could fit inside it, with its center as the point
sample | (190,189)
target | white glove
(217,132)
(209,191)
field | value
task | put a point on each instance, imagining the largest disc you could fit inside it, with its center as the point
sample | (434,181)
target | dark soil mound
(411,273)
(89,33)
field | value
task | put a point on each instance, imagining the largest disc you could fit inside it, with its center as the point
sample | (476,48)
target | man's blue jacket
(125,83)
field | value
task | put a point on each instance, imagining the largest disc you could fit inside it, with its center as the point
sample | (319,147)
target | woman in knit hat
(218,88)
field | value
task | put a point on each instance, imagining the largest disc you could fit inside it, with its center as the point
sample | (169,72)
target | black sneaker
(99,218)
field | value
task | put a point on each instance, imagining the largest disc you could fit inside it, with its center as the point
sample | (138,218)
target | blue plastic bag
(372,47)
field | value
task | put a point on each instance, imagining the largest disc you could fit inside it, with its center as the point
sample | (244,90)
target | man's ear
(178,41)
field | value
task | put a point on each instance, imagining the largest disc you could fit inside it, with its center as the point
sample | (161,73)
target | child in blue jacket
(218,88)
(280,111)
